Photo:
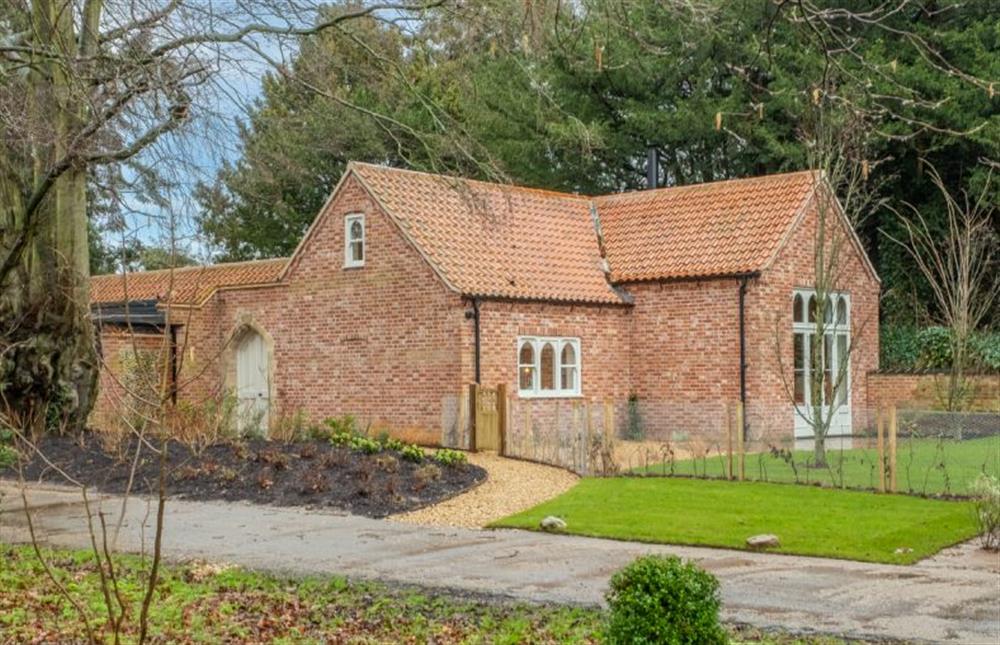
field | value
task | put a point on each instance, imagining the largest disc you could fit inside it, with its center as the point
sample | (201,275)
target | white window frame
(558,342)
(349,261)
(835,330)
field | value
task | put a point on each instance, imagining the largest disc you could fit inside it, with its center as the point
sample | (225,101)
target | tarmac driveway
(953,597)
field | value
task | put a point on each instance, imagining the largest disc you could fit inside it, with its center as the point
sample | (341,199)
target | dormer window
(354,241)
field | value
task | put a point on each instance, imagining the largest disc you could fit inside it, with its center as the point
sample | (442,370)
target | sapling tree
(825,328)
(961,263)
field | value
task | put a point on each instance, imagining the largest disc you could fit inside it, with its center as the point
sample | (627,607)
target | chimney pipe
(652,168)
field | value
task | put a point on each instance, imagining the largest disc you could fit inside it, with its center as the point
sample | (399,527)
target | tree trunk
(49,363)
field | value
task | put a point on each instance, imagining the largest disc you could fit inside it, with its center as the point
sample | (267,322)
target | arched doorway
(252,384)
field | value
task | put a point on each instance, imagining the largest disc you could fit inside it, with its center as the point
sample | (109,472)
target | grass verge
(896,529)
(923,466)
(198,603)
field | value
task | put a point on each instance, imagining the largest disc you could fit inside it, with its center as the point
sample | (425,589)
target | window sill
(354,266)
(545,395)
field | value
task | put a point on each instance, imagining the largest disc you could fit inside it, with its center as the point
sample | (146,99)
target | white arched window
(821,360)
(354,241)
(526,367)
(548,367)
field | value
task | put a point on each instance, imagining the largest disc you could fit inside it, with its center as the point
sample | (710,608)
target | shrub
(365,445)
(660,599)
(906,348)
(340,438)
(393,444)
(342,425)
(985,348)
(449,457)
(424,475)
(412,453)
(899,347)
(634,431)
(387,463)
(935,348)
(8,455)
(986,505)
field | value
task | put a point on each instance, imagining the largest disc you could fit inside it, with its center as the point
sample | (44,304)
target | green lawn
(923,466)
(200,604)
(809,520)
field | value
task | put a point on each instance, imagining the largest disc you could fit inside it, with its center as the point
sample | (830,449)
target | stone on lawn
(764,541)
(553,523)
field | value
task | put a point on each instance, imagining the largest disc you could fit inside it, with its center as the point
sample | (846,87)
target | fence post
(729,443)
(609,420)
(590,421)
(740,448)
(529,437)
(880,430)
(502,417)
(473,413)
(892,449)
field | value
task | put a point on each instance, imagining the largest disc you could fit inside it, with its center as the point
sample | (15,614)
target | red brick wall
(930,391)
(391,344)
(604,333)
(381,342)
(769,326)
(113,399)
(685,355)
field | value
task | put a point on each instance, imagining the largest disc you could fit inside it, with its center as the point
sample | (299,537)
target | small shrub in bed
(340,438)
(8,455)
(390,443)
(412,452)
(660,599)
(424,475)
(342,425)
(449,457)
(387,463)
(365,445)
(274,458)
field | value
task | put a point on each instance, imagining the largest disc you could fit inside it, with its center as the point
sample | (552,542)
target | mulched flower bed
(314,473)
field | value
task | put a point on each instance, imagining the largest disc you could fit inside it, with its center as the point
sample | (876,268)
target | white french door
(822,354)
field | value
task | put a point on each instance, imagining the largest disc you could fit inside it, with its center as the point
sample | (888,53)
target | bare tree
(826,327)
(86,84)
(962,266)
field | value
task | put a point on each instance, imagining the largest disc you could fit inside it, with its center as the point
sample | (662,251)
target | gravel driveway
(512,486)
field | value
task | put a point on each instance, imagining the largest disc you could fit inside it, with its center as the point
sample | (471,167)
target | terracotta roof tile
(719,228)
(496,240)
(191,285)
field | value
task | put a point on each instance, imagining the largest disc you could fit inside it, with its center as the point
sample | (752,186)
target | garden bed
(312,473)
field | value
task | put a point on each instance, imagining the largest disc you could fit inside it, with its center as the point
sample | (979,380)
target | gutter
(744,279)
(474,316)
(173,364)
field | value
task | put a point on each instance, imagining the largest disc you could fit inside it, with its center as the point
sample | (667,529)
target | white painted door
(252,385)
(833,358)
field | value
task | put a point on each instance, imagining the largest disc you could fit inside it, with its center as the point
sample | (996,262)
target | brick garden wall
(930,391)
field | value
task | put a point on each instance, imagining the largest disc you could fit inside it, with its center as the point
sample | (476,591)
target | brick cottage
(409,286)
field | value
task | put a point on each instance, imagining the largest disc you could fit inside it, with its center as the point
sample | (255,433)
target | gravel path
(512,486)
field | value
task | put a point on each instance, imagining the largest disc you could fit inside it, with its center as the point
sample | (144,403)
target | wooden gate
(489,417)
